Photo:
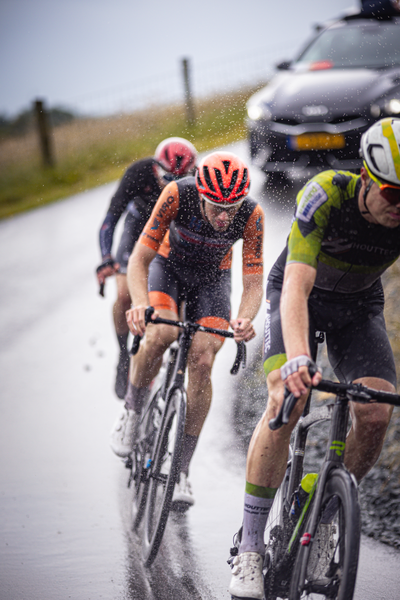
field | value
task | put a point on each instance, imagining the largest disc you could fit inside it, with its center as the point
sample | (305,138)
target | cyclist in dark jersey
(344,235)
(137,194)
(185,253)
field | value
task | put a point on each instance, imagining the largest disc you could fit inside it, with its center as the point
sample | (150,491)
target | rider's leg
(268,450)
(146,364)
(266,465)
(208,305)
(368,429)
(133,225)
(144,368)
(199,390)
(122,304)
(362,353)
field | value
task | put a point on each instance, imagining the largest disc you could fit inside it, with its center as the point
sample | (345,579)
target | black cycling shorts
(133,227)
(205,302)
(355,332)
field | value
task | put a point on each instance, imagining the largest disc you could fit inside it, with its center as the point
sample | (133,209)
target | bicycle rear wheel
(163,476)
(327,566)
(142,456)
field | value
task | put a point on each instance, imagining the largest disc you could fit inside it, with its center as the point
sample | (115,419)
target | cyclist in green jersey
(343,237)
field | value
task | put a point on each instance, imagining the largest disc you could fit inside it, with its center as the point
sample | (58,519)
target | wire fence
(206,79)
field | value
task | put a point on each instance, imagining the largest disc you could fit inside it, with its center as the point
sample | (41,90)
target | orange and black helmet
(223,179)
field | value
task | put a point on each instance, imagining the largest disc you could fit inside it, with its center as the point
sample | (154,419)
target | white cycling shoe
(182,498)
(124,433)
(247,580)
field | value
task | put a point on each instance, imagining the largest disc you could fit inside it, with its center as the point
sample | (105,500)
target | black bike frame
(338,414)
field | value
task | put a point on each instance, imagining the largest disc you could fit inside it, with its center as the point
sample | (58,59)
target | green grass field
(92,152)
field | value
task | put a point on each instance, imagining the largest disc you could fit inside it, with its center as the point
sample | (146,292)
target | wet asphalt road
(64,505)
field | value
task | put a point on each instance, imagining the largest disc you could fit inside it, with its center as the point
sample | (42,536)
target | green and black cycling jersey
(329,233)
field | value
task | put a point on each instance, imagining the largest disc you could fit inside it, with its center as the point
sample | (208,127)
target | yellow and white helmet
(380,149)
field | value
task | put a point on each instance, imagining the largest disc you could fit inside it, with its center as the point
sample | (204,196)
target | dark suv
(314,110)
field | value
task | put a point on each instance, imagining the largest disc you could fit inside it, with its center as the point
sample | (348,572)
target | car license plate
(317,141)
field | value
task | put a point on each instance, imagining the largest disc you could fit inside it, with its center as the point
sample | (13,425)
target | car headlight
(392,107)
(375,111)
(258,111)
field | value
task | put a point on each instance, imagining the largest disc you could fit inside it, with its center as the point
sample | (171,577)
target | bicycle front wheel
(326,565)
(164,474)
(274,542)
(142,456)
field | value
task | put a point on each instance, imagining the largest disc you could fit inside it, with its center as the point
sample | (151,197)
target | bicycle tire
(274,538)
(142,457)
(330,565)
(164,474)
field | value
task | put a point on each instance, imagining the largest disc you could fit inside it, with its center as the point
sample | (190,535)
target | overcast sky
(61,49)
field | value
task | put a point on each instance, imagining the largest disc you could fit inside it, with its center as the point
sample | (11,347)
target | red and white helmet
(176,157)
(223,179)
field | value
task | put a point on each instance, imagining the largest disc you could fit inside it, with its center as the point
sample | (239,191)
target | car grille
(302,121)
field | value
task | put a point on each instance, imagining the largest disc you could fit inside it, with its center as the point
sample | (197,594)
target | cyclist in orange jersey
(185,254)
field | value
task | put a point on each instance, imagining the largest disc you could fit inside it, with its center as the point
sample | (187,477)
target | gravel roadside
(380,489)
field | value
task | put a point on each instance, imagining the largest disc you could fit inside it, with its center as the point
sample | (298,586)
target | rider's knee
(372,419)
(200,366)
(275,392)
(157,340)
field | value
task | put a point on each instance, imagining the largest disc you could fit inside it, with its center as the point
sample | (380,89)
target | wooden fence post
(44,133)
(188,93)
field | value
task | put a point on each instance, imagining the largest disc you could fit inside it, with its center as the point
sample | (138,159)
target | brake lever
(135,345)
(282,418)
(288,404)
(241,354)
(137,338)
(148,314)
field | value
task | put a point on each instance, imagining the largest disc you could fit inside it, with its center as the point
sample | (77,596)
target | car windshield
(368,44)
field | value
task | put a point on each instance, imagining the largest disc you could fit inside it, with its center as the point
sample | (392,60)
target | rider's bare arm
(298,283)
(138,272)
(249,307)
(252,257)
(145,250)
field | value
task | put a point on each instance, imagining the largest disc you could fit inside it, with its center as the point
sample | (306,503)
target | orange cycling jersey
(178,231)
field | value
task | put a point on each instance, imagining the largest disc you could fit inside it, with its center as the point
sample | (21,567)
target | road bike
(313,537)
(156,457)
